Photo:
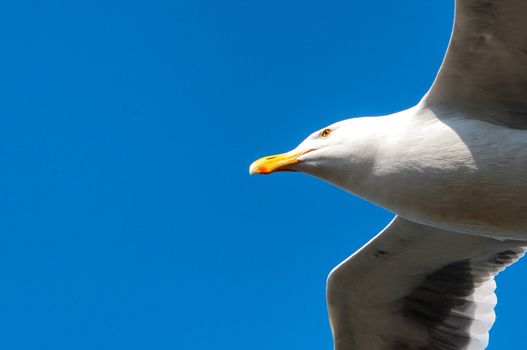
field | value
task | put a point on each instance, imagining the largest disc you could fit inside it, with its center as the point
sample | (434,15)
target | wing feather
(428,289)
(484,72)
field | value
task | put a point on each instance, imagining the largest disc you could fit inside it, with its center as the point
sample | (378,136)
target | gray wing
(484,71)
(416,287)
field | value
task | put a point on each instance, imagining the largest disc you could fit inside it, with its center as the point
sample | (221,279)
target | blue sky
(128,219)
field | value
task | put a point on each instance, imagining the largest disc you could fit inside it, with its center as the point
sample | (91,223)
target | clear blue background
(128,219)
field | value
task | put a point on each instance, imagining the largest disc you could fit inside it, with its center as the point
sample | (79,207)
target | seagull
(453,169)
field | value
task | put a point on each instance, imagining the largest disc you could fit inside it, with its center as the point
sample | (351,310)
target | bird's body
(454,171)
(451,172)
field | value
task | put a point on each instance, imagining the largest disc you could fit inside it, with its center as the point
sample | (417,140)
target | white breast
(452,172)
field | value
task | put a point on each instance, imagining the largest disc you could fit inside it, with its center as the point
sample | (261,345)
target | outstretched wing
(485,68)
(416,287)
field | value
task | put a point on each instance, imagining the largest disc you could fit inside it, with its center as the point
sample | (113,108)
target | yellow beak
(277,162)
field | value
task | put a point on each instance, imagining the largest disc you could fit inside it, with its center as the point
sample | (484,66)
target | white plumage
(453,170)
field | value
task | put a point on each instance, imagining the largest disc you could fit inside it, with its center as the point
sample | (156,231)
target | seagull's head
(333,153)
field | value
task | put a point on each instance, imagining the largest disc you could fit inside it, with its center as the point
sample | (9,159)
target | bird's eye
(325,132)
